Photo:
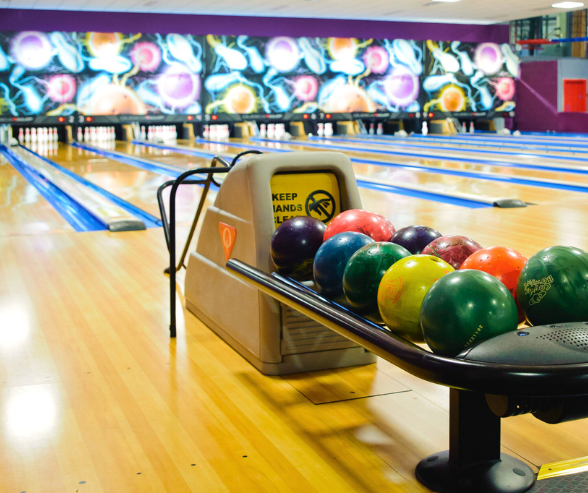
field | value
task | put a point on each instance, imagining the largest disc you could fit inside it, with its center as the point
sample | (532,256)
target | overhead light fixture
(567,5)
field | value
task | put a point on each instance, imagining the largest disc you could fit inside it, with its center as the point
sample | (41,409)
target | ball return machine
(541,370)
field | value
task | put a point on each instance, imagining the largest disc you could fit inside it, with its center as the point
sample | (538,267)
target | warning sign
(305,194)
(228,236)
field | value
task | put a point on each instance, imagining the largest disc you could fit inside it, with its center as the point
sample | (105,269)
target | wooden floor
(95,397)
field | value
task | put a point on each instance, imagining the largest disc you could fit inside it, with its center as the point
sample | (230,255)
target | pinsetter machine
(282,326)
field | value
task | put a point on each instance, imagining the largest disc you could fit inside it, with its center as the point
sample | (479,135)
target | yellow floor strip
(563,468)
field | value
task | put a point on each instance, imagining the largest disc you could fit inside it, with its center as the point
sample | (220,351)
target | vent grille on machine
(301,334)
(577,338)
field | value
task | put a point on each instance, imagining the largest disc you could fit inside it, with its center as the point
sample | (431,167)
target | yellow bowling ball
(403,289)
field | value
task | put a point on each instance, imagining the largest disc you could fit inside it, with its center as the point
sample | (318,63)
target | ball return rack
(539,370)
(482,391)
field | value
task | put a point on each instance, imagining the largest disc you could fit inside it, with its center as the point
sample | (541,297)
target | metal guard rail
(487,378)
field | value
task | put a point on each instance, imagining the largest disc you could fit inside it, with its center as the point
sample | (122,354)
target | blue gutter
(429,169)
(167,170)
(136,163)
(484,162)
(434,197)
(149,220)
(179,150)
(420,145)
(382,187)
(72,211)
(547,143)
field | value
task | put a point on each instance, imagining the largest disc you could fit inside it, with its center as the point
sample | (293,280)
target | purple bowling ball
(294,245)
(415,238)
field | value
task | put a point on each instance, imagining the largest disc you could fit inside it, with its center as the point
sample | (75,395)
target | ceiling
(464,12)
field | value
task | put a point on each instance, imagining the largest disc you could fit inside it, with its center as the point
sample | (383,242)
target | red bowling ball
(453,249)
(368,223)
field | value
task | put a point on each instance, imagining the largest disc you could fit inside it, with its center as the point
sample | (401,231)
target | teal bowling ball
(363,274)
(331,259)
(553,286)
(464,308)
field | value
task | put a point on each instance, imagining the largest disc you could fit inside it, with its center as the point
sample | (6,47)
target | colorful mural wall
(62,73)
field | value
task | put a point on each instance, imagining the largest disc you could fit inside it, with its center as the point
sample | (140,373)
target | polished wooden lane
(135,185)
(440,182)
(23,210)
(453,160)
(509,146)
(96,398)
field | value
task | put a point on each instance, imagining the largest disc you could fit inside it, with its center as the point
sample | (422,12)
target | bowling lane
(444,183)
(135,185)
(23,210)
(167,156)
(459,161)
(499,151)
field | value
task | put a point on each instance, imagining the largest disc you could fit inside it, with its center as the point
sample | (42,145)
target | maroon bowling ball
(453,249)
(415,238)
(368,223)
(294,245)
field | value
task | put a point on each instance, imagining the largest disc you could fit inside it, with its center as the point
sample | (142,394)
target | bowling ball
(331,259)
(294,245)
(504,264)
(553,286)
(415,238)
(453,249)
(402,290)
(364,272)
(466,307)
(360,221)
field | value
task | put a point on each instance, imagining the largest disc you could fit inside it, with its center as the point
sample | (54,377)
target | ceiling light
(567,5)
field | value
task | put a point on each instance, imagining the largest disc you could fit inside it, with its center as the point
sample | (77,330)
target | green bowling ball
(553,286)
(402,290)
(363,274)
(464,308)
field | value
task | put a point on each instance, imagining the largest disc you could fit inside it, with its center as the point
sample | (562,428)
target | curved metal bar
(554,380)
(172,228)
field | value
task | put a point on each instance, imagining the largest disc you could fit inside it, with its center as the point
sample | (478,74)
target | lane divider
(471,151)
(324,143)
(72,211)
(115,217)
(149,220)
(423,192)
(532,182)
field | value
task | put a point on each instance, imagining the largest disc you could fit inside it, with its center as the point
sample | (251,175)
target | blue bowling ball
(331,259)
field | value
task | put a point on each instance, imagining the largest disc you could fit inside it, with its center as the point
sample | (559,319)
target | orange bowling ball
(503,263)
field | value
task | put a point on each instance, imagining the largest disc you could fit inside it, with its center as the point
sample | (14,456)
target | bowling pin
(463,128)
(205,132)
(425,129)
(213,132)
(271,131)
(321,130)
(328,129)
(20,136)
(34,135)
(371,129)
(471,127)
(262,131)
(27,136)
(380,130)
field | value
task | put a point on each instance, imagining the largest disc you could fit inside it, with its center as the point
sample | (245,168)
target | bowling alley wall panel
(65,73)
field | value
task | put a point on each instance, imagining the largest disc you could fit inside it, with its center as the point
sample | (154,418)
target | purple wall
(63,20)
(537,104)
(536,97)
